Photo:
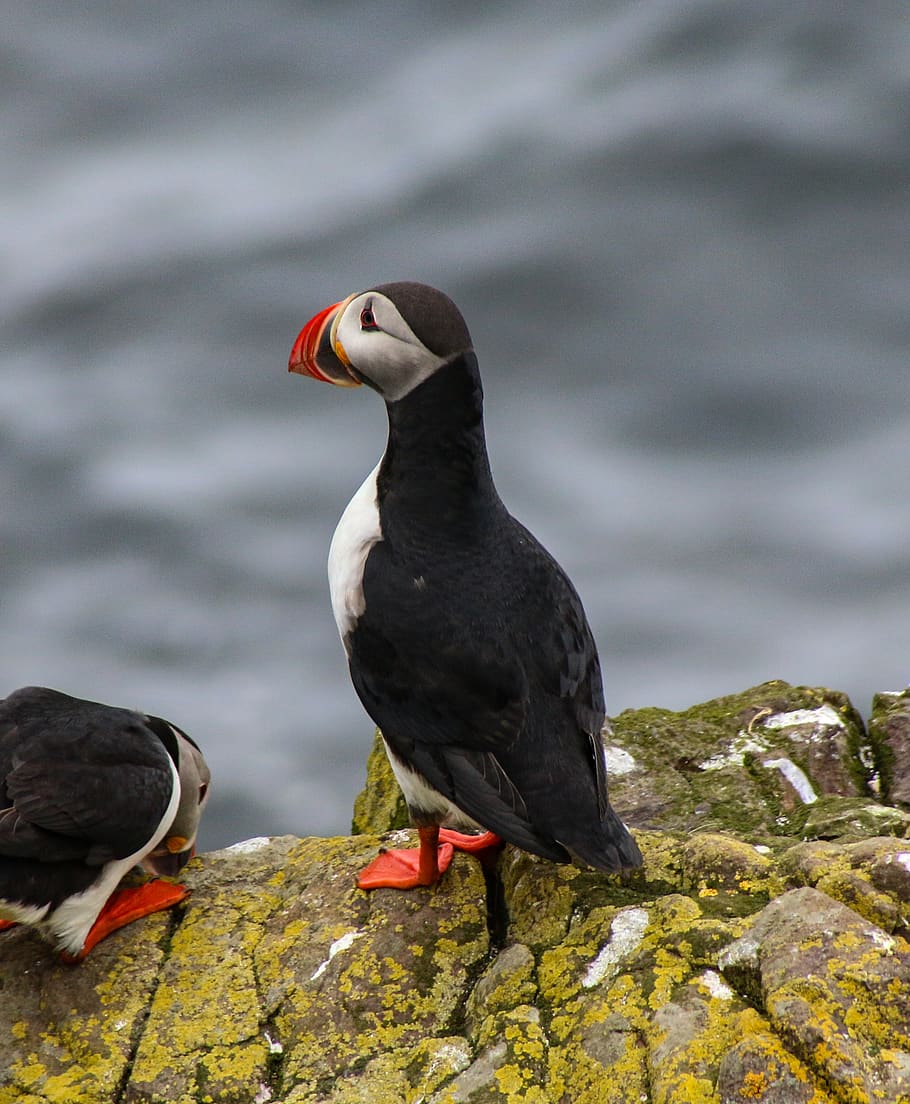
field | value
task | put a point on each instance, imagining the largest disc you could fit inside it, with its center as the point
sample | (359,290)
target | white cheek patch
(392,357)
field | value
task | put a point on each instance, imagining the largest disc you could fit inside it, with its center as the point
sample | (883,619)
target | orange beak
(316,352)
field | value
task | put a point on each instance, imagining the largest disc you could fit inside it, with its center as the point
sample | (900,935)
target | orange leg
(126,905)
(4,924)
(424,865)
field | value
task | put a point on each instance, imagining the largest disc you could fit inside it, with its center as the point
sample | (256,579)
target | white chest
(356,533)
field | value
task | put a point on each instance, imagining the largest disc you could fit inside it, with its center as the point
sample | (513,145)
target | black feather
(473,653)
(81,784)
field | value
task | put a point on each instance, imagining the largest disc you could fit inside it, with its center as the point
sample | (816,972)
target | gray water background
(679,233)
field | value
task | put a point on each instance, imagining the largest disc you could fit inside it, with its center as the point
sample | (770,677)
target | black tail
(612,849)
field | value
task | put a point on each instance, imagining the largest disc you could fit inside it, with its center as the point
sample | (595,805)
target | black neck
(436,456)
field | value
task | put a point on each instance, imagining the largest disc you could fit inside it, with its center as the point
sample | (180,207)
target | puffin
(87,792)
(466,642)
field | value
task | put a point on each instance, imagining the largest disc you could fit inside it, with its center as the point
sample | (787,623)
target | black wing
(566,659)
(78,780)
(491,689)
(441,676)
(560,653)
(449,708)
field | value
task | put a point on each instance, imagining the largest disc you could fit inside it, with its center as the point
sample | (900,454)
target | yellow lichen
(419,999)
(754,1084)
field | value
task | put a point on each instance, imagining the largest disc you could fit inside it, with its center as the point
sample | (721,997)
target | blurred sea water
(678,231)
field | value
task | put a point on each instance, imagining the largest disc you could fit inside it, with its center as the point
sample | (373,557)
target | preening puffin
(466,641)
(88,791)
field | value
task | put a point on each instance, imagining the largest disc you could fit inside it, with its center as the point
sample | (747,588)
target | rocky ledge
(760,956)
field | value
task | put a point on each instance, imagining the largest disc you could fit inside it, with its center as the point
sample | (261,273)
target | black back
(81,784)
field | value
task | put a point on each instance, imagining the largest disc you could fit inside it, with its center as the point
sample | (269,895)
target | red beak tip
(296,359)
(303,359)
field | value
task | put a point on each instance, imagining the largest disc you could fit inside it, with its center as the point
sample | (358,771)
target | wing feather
(78,780)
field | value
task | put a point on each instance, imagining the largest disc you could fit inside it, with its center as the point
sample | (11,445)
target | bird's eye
(203,790)
(368,319)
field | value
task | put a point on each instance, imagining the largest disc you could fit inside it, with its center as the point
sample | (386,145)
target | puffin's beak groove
(165,863)
(316,352)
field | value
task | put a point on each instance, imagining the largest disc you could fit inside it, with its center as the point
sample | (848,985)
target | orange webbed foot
(406,869)
(424,865)
(126,905)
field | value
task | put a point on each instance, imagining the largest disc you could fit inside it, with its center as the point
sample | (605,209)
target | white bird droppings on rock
(248,846)
(626,932)
(796,777)
(619,761)
(881,939)
(743,744)
(716,985)
(341,944)
(826,716)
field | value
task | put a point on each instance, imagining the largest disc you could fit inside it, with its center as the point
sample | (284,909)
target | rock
(745,963)
(279,972)
(758,1070)
(749,763)
(836,989)
(889,729)
(842,817)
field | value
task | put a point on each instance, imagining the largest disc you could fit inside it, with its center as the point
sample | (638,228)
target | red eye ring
(368,319)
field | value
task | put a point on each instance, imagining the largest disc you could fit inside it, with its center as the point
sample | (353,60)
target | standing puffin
(88,791)
(467,643)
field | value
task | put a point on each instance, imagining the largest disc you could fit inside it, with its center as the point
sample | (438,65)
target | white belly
(421,797)
(356,533)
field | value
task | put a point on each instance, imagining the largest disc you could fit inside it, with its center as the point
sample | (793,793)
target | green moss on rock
(726,765)
(380,805)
